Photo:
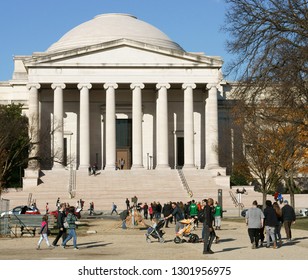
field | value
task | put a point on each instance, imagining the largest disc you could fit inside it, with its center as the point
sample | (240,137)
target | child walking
(43,233)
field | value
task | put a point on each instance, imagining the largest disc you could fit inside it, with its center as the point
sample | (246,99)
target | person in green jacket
(217,215)
(193,211)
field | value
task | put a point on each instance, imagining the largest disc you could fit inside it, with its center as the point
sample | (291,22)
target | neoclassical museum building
(117,88)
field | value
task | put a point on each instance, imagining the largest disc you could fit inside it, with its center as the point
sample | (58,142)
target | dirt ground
(111,242)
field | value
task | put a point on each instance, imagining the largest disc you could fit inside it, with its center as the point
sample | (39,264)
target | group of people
(271,220)
(178,211)
(62,219)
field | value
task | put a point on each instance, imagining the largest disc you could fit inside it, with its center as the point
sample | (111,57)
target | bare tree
(270,41)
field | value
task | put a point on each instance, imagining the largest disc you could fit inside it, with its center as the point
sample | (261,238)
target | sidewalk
(112,243)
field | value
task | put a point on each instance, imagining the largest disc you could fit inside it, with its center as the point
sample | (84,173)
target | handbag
(65,224)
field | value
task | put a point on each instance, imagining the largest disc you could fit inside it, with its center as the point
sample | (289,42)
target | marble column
(211,123)
(110,126)
(34,132)
(58,129)
(162,157)
(137,125)
(84,131)
(189,156)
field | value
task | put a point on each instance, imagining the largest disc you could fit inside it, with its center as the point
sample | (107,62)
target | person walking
(145,210)
(43,233)
(178,214)
(60,225)
(254,221)
(193,211)
(71,220)
(127,204)
(288,218)
(278,226)
(114,209)
(208,230)
(47,208)
(270,221)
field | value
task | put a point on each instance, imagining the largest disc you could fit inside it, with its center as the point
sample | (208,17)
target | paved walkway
(112,243)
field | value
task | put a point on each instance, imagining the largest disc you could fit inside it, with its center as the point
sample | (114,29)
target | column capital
(33,85)
(162,85)
(82,85)
(137,85)
(110,85)
(187,85)
(56,85)
(211,85)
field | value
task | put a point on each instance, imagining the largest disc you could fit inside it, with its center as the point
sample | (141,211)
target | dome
(109,27)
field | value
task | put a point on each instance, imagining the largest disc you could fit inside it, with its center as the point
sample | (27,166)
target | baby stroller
(156,232)
(184,234)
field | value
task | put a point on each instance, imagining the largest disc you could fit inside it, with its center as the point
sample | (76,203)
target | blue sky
(28,26)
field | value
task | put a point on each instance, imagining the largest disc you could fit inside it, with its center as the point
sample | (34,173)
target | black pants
(209,236)
(60,233)
(254,235)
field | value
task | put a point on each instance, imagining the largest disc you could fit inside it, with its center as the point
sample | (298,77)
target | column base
(162,166)
(57,166)
(189,166)
(31,178)
(110,168)
(137,166)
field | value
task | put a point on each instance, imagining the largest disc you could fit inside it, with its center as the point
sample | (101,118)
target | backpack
(201,216)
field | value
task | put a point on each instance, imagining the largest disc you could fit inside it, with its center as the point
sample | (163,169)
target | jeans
(209,236)
(270,232)
(43,236)
(71,234)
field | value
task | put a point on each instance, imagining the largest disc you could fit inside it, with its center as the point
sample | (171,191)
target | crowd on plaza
(264,225)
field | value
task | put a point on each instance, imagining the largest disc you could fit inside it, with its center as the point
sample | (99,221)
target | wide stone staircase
(115,186)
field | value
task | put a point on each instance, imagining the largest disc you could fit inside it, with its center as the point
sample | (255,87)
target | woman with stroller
(178,215)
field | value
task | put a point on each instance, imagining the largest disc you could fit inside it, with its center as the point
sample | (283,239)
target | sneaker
(63,246)
(38,248)
(253,246)
(51,246)
(76,248)
(209,252)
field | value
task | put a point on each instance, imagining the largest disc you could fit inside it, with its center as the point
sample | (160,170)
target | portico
(161,124)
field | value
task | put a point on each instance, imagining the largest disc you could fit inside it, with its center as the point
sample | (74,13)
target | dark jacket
(288,213)
(60,219)
(270,217)
(209,218)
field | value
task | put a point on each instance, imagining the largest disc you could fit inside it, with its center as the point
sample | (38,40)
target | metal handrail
(184,182)
(234,199)
(72,182)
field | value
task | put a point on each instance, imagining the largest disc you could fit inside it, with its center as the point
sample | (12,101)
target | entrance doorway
(180,151)
(124,143)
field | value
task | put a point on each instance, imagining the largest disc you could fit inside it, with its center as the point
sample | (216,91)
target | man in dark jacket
(209,233)
(288,218)
(60,224)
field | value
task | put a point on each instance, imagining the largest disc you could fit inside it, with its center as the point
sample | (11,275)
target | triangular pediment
(122,53)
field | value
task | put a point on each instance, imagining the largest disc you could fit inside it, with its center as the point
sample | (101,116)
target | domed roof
(110,27)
